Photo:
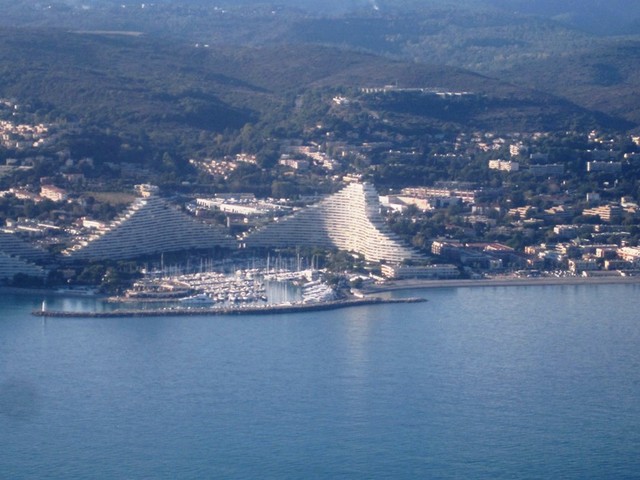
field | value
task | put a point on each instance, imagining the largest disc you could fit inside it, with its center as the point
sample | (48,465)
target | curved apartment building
(11,266)
(12,245)
(347,220)
(17,257)
(150,226)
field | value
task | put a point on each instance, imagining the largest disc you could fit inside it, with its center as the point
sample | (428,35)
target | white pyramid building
(347,220)
(150,226)
(11,244)
(10,266)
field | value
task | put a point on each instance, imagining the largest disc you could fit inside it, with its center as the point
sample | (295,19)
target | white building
(294,163)
(347,220)
(146,189)
(435,272)
(605,212)
(630,254)
(504,165)
(11,266)
(11,244)
(150,226)
(53,193)
(583,265)
(517,149)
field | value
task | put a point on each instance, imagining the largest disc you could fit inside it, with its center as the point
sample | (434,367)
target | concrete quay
(232,310)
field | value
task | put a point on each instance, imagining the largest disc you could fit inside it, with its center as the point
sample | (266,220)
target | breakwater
(231,310)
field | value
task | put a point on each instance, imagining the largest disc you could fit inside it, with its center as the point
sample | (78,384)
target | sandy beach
(393,285)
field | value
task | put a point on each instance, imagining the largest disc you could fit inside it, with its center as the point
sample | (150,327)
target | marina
(240,286)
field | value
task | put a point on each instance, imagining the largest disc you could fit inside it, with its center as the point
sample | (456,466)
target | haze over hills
(604,18)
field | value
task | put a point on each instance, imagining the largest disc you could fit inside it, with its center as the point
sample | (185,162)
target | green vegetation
(140,108)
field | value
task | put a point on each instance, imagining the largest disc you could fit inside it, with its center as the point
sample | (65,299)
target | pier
(229,310)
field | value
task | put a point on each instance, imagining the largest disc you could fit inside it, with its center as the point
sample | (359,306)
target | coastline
(411,284)
(367,296)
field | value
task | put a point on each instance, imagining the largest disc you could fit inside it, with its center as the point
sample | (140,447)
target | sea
(536,382)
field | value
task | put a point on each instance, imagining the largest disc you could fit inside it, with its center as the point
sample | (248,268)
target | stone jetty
(230,310)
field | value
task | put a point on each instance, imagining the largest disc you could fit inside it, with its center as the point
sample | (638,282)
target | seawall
(242,310)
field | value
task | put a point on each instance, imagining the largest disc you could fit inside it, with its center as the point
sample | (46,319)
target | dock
(229,310)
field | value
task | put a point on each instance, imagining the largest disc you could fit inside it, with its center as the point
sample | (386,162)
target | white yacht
(199,299)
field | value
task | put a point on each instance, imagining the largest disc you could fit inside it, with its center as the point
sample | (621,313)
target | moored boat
(198,299)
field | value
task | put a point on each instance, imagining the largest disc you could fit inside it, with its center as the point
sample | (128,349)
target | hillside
(514,40)
(476,39)
(159,96)
(613,17)
(606,79)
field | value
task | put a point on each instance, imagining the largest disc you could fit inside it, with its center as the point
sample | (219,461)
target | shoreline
(413,284)
(407,284)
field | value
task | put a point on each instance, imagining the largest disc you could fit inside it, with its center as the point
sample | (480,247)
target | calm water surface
(521,382)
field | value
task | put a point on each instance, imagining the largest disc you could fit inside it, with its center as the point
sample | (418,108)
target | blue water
(526,382)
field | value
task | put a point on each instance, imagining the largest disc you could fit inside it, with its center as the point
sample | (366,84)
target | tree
(282,189)
(24,280)
(92,274)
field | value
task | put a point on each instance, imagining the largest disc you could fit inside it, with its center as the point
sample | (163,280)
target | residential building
(53,193)
(517,149)
(294,163)
(347,220)
(442,271)
(583,265)
(11,266)
(504,165)
(605,212)
(630,254)
(11,244)
(604,167)
(150,226)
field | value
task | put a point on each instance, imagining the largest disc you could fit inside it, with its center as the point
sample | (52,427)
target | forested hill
(529,43)
(156,96)
(606,78)
(145,81)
